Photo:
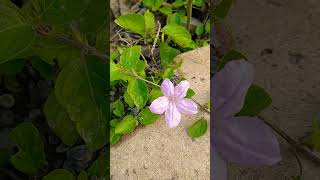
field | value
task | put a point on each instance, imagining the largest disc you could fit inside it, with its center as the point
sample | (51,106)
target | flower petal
(187,106)
(230,85)
(159,105)
(218,167)
(247,141)
(167,87)
(180,91)
(172,115)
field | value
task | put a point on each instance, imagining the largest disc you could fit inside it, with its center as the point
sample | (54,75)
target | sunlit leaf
(198,129)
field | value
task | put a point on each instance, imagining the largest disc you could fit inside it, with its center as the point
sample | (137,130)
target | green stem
(189,13)
(45,31)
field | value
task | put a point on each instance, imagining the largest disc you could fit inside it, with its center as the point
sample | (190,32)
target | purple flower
(247,141)
(173,102)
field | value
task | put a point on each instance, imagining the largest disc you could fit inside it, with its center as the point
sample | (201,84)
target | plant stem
(189,13)
(293,143)
(44,31)
(155,42)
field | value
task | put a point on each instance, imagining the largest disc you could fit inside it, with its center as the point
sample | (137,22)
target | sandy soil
(282,39)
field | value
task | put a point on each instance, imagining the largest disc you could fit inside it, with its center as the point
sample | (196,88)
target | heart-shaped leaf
(80,88)
(30,157)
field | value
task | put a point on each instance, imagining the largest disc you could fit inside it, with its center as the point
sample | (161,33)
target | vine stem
(46,31)
(189,13)
(293,143)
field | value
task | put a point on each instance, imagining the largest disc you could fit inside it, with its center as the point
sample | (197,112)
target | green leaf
(30,157)
(13,29)
(130,58)
(166,10)
(208,104)
(198,129)
(199,3)
(61,12)
(128,99)
(221,11)
(190,93)
(207,27)
(230,56)
(83,175)
(199,29)
(178,3)
(100,167)
(179,35)
(114,138)
(146,117)
(139,93)
(115,72)
(9,48)
(118,108)
(132,22)
(127,125)
(167,53)
(59,174)
(59,121)
(12,67)
(149,22)
(174,18)
(155,93)
(313,140)
(114,122)
(257,99)
(44,68)
(81,89)
(94,17)
(49,50)
(153,4)
(168,73)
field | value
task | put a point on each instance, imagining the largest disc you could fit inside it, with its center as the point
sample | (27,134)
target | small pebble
(80,153)
(62,148)
(7,117)
(54,140)
(34,114)
(7,101)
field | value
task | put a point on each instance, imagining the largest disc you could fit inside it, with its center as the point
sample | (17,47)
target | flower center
(172,98)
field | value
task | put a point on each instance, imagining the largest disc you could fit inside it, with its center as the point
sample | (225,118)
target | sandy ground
(282,39)
(158,152)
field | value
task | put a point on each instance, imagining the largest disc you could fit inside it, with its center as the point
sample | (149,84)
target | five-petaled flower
(247,141)
(173,103)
